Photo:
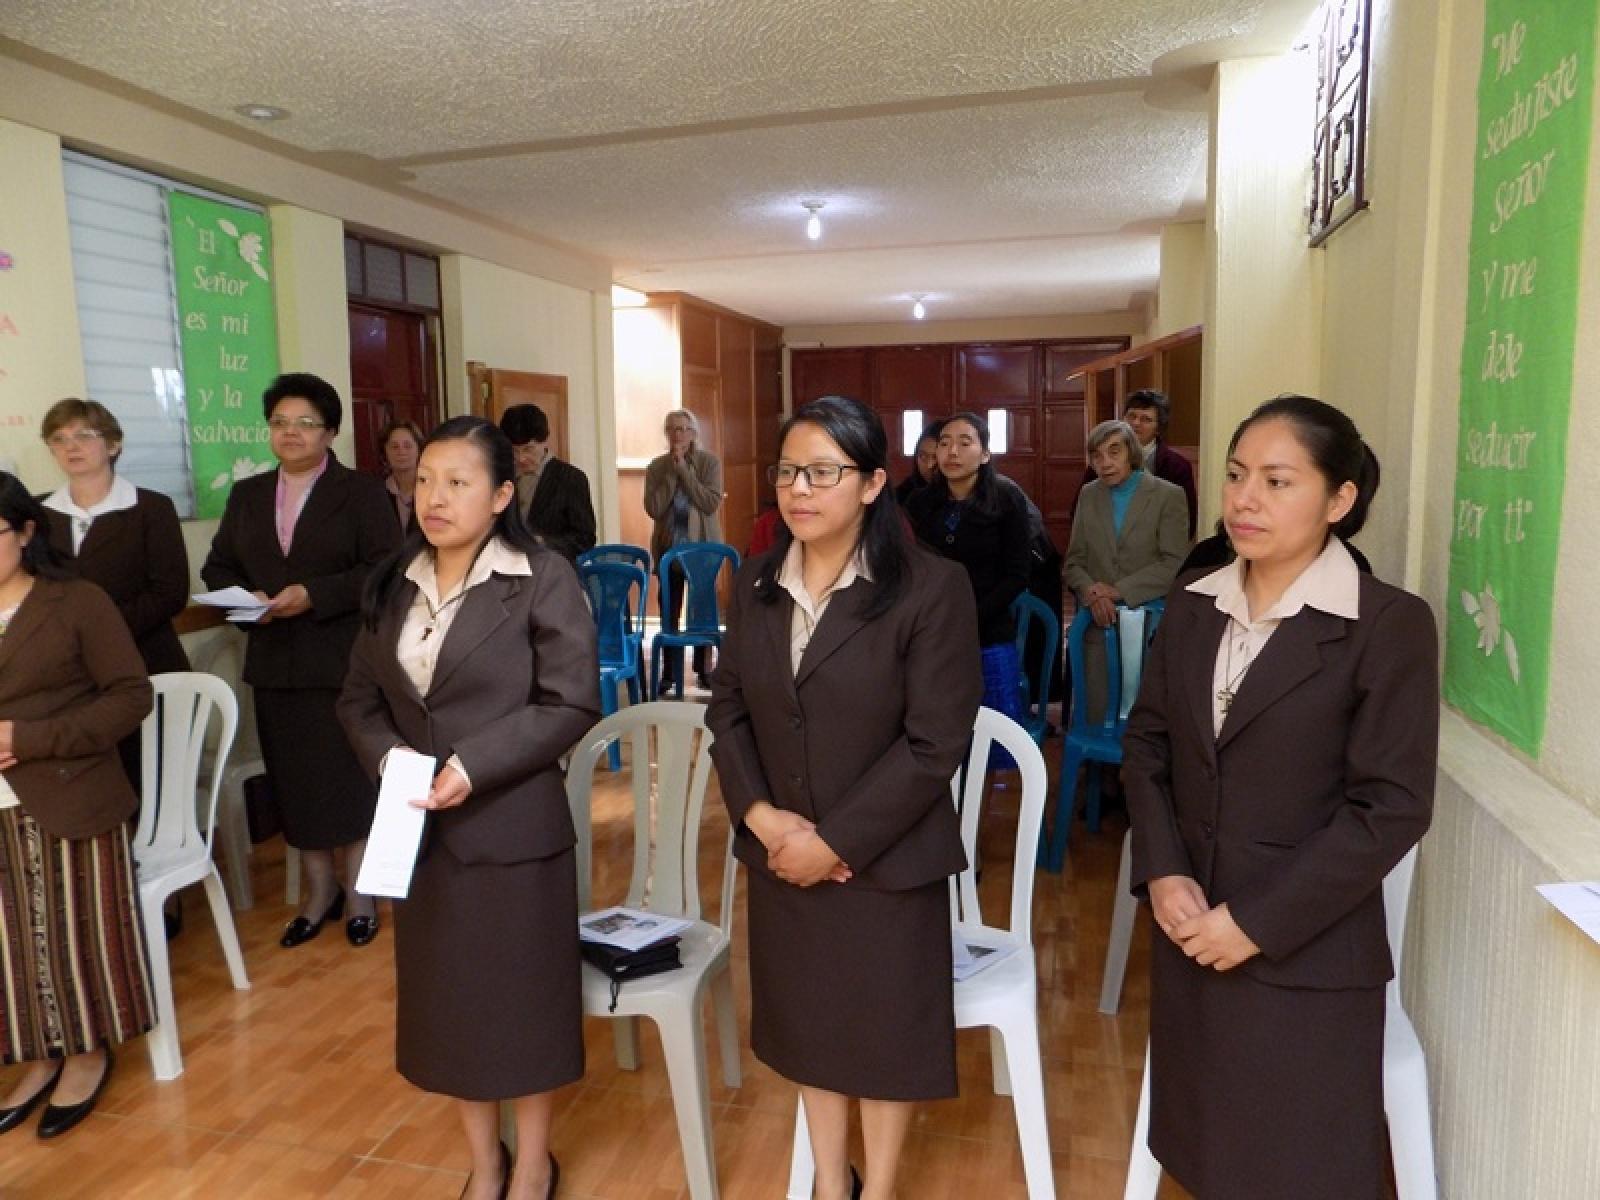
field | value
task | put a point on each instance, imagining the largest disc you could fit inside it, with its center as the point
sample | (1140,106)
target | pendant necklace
(435,613)
(1231,682)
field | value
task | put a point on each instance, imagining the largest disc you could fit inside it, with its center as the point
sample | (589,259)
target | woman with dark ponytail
(478,649)
(842,703)
(1279,763)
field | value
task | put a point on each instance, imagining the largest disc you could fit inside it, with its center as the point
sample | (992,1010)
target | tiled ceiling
(1001,155)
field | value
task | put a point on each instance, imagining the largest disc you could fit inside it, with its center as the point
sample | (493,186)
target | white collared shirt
(429,618)
(122,495)
(1331,584)
(808,610)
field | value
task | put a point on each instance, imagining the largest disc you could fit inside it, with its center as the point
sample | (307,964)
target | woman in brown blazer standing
(1280,761)
(478,649)
(303,539)
(73,978)
(842,704)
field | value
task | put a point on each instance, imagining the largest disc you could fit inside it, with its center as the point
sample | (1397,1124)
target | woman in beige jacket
(682,494)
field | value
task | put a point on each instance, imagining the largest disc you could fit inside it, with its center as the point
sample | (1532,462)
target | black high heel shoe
(505,1174)
(58,1118)
(303,929)
(855,1184)
(555,1178)
(10,1118)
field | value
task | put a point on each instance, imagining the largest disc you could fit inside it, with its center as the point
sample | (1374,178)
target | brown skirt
(1260,1092)
(323,795)
(851,989)
(489,984)
(72,957)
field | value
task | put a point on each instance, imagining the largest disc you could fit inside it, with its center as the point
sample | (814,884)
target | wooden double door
(1027,386)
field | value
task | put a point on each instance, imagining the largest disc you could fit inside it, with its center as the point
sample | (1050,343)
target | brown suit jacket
(517,683)
(864,738)
(1321,780)
(347,526)
(699,476)
(136,554)
(72,680)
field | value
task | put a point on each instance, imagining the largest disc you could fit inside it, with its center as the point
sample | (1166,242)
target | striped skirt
(72,956)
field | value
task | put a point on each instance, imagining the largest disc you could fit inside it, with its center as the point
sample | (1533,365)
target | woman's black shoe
(57,1119)
(555,1178)
(10,1118)
(361,930)
(303,929)
(855,1184)
(505,1174)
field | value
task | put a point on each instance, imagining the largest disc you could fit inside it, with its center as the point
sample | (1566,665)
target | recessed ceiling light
(262,112)
(814,222)
(917,310)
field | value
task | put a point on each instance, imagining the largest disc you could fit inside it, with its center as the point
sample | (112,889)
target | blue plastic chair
(617,552)
(700,563)
(1098,744)
(1025,610)
(617,592)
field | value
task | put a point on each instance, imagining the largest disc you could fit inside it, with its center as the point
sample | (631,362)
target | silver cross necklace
(1231,682)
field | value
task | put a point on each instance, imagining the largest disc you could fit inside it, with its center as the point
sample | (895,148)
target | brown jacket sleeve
(122,696)
(1158,849)
(739,775)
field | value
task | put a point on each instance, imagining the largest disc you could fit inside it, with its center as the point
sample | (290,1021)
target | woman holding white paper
(478,649)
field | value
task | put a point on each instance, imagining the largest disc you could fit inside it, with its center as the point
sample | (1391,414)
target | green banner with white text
(222,260)
(1534,100)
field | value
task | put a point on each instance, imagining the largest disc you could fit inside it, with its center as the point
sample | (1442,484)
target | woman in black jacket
(970,515)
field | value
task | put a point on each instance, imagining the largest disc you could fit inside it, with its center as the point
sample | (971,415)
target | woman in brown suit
(478,649)
(72,972)
(842,705)
(1280,761)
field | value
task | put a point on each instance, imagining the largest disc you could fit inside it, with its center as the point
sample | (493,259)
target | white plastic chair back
(1396,904)
(966,789)
(1132,644)
(670,768)
(190,709)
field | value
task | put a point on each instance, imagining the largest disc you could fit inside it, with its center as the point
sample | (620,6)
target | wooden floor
(290,1089)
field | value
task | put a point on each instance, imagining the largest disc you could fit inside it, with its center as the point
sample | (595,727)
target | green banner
(1516,361)
(222,260)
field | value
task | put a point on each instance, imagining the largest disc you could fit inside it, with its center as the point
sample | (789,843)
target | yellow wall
(517,322)
(40,360)
(1181,300)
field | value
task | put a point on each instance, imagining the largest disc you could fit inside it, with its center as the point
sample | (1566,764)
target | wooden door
(394,376)
(494,390)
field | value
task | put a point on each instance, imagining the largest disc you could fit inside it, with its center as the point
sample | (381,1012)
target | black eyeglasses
(818,474)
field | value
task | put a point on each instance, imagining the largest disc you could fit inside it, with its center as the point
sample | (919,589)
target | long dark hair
(1335,446)
(383,584)
(985,492)
(17,509)
(856,430)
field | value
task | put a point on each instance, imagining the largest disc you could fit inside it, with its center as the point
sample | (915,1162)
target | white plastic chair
(1405,1075)
(1124,915)
(222,656)
(170,847)
(666,880)
(1004,997)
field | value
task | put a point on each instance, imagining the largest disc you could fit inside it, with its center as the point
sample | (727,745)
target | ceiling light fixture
(917,310)
(814,222)
(262,112)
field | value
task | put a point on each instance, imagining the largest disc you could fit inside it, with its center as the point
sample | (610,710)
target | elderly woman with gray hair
(682,494)
(1129,536)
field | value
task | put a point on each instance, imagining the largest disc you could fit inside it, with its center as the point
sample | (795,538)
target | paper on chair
(1578,902)
(396,826)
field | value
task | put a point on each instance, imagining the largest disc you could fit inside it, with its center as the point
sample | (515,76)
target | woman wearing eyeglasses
(842,704)
(303,539)
(124,538)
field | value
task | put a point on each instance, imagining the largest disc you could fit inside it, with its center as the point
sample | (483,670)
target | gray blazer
(517,683)
(1143,561)
(698,476)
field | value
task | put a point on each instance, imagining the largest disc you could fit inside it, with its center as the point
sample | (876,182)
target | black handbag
(621,965)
